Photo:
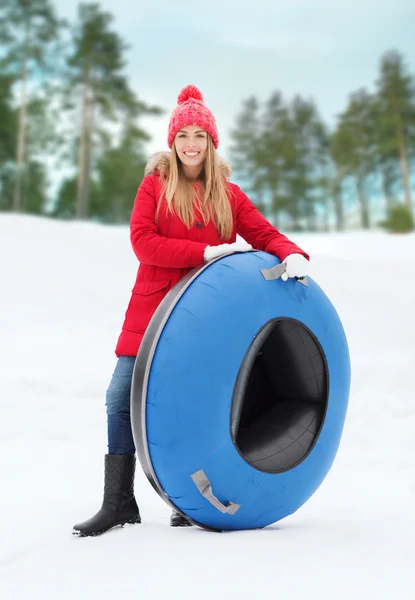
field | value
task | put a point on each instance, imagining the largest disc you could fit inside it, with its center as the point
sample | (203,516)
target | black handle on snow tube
(277,271)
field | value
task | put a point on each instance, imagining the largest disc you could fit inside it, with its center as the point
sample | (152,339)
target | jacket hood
(162,159)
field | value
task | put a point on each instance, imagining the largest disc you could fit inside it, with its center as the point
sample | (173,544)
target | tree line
(298,169)
(75,110)
(67,106)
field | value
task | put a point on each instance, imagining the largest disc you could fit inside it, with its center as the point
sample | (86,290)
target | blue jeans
(120,435)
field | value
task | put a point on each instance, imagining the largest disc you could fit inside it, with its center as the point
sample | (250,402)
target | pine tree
(245,138)
(282,153)
(396,122)
(8,122)
(276,147)
(26,31)
(119,172)
(98,83)
(353,146)
(305,162)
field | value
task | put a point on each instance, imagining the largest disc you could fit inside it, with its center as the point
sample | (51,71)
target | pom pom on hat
(191,110)
(190,91)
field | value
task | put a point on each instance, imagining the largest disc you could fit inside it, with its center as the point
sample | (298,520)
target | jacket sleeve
(259,232)
(149,246)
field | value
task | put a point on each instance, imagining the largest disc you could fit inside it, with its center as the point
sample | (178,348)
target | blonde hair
(182,198)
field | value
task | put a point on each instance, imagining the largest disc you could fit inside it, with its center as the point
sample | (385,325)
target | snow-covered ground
(64,290)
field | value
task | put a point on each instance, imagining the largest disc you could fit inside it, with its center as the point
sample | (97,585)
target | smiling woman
(186,213)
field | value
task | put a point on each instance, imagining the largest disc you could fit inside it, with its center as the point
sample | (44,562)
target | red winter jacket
(168,250)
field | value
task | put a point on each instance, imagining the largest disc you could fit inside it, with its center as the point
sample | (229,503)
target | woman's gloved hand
(212,252)
(296,265)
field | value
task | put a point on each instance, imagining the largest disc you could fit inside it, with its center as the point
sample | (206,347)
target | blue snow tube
(239,393)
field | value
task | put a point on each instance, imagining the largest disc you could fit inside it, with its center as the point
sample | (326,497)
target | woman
(186,212)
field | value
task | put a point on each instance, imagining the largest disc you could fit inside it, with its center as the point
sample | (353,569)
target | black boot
(177,520)
(119,505)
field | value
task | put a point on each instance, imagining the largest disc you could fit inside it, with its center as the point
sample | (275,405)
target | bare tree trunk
(327,211)
(274,208)
(21,135)
(118,210)
(88,155)
(311,221)
(261,202)
(338,200)
(81,211)
(339,209)
(364,209)
(296,215)
(403,158)
(386,186)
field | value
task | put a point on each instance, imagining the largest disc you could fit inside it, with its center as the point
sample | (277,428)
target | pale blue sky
(319,48)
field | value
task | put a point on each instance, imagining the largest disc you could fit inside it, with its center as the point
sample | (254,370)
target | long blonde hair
(182,198)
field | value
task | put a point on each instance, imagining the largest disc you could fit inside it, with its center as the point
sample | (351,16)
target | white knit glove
(212,252)
(296,265)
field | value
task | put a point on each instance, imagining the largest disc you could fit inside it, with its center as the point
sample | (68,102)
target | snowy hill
(64,291)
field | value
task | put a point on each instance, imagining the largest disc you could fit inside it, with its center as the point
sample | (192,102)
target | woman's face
(191,145)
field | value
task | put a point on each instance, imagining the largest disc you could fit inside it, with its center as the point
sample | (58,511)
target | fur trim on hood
(161,159)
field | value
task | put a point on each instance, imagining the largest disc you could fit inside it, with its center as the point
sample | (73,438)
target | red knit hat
(191,110)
